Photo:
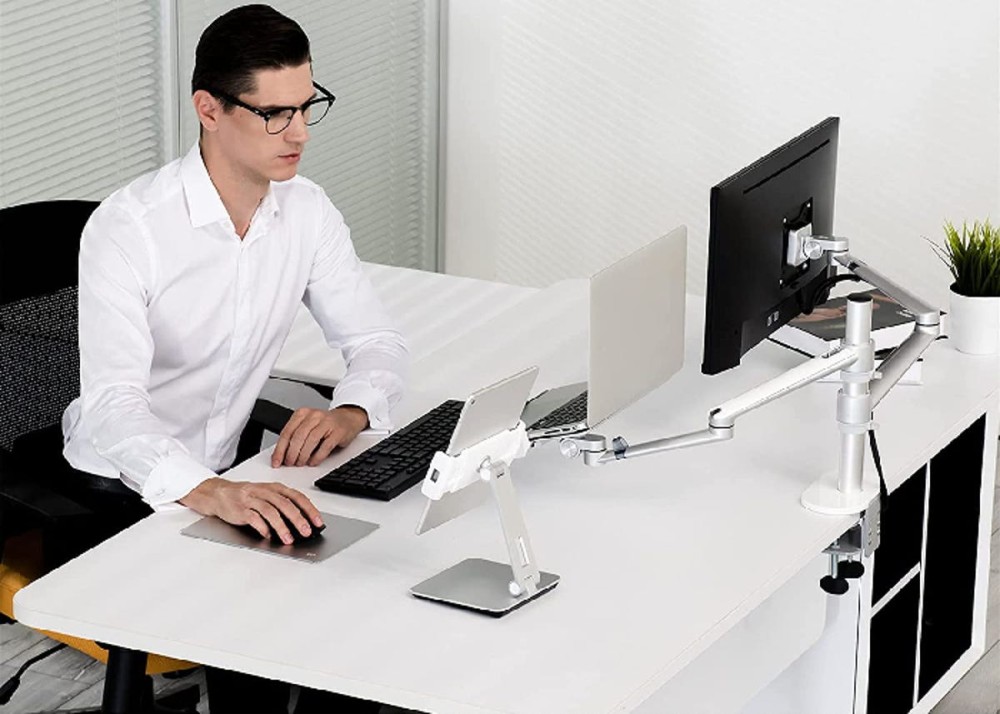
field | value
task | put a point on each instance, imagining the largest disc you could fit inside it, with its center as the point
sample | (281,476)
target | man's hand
(259,504)
(311,434)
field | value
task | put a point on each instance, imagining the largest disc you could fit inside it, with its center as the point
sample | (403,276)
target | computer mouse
(297,537)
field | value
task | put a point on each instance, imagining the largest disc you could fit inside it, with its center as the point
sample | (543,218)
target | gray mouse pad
(340,533)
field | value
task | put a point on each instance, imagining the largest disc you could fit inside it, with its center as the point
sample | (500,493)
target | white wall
(578,130)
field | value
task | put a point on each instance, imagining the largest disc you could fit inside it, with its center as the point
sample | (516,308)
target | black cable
(10,686)
(823,289)
(883,492)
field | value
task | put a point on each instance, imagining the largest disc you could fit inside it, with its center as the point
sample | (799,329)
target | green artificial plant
(972,254)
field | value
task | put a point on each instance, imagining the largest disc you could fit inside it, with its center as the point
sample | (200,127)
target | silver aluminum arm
(722,419)
(725,414)
(925,331)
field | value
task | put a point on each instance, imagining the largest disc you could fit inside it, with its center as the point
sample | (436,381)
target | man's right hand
(256,504)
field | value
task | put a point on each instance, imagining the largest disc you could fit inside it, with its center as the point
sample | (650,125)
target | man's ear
(207,108)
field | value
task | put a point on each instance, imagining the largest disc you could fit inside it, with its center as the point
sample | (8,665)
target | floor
(70,680)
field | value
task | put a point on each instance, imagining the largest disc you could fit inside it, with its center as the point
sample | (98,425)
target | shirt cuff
(173,479)
(368,398)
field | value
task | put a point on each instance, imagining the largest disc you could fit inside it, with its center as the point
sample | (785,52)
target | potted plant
(972,254)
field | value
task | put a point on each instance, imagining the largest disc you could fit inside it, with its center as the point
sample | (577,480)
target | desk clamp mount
(848,551)
(862,389)
(475,583)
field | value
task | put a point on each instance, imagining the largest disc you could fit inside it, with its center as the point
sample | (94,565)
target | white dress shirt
(181,322)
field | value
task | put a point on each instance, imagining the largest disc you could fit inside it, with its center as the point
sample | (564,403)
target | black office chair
(45,517)
(48,512)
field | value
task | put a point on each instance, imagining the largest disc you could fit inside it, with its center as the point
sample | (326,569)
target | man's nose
(297,131)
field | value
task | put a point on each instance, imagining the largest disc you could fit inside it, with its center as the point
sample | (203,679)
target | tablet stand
(483,585)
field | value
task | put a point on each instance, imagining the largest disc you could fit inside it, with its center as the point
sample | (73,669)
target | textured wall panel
(80,84)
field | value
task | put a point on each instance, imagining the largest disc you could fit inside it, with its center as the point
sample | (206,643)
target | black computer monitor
(752,289)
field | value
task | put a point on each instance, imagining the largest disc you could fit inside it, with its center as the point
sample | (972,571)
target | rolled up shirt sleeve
(343,301)
(116,351)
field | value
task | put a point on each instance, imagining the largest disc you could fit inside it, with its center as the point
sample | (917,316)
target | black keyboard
(399,461)
(573,411)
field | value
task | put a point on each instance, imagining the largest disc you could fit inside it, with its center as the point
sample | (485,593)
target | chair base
(183,701)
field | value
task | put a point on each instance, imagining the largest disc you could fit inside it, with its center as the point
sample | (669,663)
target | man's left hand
(312,434)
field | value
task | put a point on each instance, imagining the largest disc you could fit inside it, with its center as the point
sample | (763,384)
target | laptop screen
(636,324)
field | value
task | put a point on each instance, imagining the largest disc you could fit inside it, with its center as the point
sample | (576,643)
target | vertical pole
(854,405)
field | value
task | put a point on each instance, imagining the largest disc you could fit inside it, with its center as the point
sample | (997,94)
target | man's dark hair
(241,42)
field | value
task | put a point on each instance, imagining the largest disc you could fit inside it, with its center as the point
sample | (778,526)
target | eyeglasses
(276,120)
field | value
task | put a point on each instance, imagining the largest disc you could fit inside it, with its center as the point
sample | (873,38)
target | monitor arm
(721,419)
(927,326)
(862,388)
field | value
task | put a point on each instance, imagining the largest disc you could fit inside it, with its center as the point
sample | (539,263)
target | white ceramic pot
(974,324)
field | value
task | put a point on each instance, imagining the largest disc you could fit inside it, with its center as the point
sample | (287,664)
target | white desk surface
(659,556)
(428,309)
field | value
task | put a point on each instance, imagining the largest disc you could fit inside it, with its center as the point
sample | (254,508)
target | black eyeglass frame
(328,98)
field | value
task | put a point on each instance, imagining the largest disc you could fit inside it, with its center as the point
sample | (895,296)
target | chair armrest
(269,415)
(20,489)
(323,390)
(265,415)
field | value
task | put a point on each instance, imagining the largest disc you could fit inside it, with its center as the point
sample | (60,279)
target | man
(190,278)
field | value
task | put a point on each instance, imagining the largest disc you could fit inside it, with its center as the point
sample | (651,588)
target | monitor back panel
(636,324)
(751,289)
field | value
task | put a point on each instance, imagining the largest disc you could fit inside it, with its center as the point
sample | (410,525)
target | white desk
(428,308)
(659,557)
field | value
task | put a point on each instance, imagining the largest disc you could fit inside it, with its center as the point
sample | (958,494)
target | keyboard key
(572,412)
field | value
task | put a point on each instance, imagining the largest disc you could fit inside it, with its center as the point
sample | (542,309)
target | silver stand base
(825,497)
(481,585)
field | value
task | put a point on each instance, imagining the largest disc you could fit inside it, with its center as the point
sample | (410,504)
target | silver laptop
(487,412)
(636,340)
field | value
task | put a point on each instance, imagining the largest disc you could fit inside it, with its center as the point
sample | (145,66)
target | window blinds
(375,153)
(81,87)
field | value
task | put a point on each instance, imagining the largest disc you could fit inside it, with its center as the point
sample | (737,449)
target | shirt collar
(269,204)
(204,204)
(203,201)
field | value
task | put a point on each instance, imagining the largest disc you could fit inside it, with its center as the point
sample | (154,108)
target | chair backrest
(39,356)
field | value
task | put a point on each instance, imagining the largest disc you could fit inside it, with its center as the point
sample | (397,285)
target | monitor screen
(753,289)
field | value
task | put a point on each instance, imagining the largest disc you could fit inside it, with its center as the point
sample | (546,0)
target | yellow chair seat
(22,563)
